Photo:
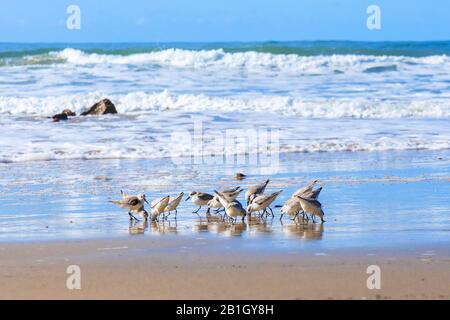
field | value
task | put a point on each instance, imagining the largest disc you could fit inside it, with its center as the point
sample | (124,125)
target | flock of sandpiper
(302,202)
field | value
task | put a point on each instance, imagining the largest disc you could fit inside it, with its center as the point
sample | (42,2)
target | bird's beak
(187,198)
(146,201)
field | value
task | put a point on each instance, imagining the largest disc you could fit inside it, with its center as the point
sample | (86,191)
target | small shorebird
(200,199)
(158,206)
(312,206)
(134,204)
(262,202)
(233,208)
(305,189)
(230,194)
(292,207)
(173,205)
(255,190)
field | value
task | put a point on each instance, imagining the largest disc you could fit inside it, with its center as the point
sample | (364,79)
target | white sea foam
(149,135)
(220,73)
(319,103)
(249,59)
(142,103)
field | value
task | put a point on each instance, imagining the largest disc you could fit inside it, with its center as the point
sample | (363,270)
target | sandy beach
(180,268)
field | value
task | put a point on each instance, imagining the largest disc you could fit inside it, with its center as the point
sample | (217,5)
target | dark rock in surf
(69,113)
(63,115)
(240,176)
(60,117)
(104,106)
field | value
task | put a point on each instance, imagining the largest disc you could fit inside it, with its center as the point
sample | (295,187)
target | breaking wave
(141,103)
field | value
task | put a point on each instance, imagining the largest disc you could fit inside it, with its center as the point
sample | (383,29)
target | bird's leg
(281,216)
(165,216)
(197,210)
(271,211)
(305,216)
(132,217)
(313,219)
(176,211)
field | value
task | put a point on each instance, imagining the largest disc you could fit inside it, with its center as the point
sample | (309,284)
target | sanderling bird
(199,198)
(158,206)
(305,189)
(134,204)
(233,208)
(256,190)
(230,194)
(312,206)
(262,202)
(173,205)
(292,207)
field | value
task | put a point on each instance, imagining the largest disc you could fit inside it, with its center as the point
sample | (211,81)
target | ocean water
(370,120)
(320,96)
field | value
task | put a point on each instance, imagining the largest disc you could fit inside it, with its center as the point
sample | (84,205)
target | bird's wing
(260,199)
(231,190)
(177,200)
(156,202)
(263,186)
(313,202)
(204,196)
(291,202)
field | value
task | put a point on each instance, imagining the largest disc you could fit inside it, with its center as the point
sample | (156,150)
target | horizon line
(217,41)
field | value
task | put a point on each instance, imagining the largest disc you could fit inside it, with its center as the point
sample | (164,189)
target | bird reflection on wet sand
(214,225)
(138,227)
(164,227)
(306,231)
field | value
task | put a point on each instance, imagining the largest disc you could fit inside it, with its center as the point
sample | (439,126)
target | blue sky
(227,20)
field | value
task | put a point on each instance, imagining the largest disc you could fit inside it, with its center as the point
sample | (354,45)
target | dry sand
(186,268)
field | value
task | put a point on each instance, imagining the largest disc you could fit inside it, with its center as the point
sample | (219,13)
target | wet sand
(385,209)
(184,268)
